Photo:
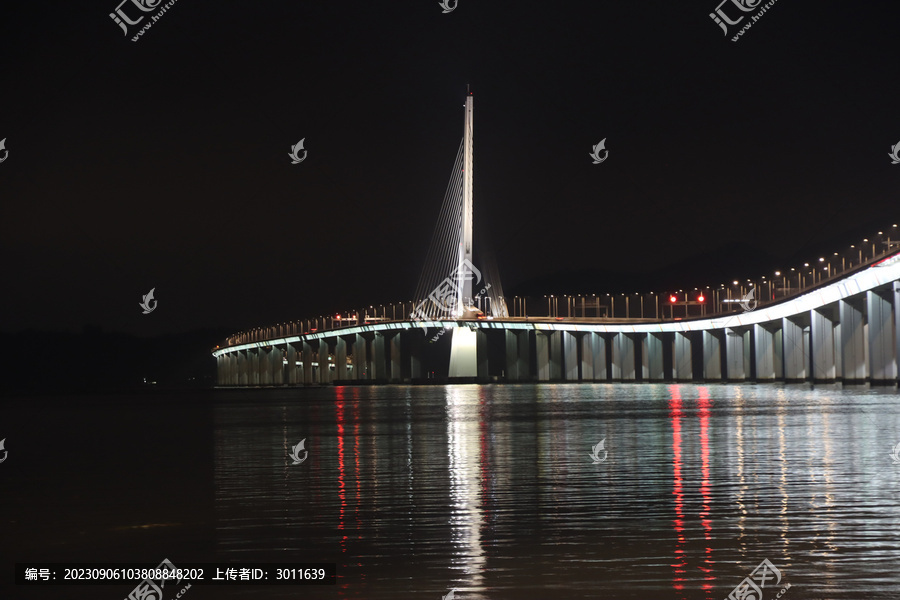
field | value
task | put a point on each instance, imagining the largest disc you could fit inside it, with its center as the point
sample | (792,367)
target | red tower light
(701,298)
(673,299)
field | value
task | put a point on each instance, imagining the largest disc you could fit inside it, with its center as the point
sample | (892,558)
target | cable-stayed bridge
(835,320)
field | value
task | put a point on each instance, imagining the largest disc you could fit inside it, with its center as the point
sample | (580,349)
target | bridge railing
(732,297)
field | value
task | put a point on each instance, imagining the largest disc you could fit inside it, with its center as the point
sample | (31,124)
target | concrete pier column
(379,360)
(463,353)
(340,359)
(587,356)
(764,340)
(265,365)
(292,370)
(853,346)
(414,348)
(224,369)
(682,365)
(244,367)
(601,351)
(524,361)
(323,372)
(652,357)
(307,359)
(556,356)
(481,355)
(277,356)
(737,354)
(360,359)
(822,345)
(511,342)
(882,337)
(712,354)
(542,351)
(623,360)
(569,361)
(220,369)
(253,358)
(794,354)
(395,356)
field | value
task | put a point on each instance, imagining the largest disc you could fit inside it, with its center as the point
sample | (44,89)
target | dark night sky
(164,163)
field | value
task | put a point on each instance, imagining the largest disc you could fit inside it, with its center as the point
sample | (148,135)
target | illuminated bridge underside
(846,331)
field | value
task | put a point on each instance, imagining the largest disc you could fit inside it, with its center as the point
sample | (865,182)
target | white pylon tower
(465,299)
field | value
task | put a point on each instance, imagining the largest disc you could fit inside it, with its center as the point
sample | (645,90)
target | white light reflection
(463,450)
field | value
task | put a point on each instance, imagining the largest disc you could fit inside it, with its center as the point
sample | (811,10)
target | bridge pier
(277,365)
(413,353)
(712,355)
(588,356)
(292,370)
(794,353)
(737,354)
(569,351)
(682,363)
(821,331)
(463,353)
(652,364)
(853,341)
(378,362)
(542,355)
(324,370)
(307,360)
(360,361)
(882,337)
(340,359)
(517,355)
(623,359)
(765,354)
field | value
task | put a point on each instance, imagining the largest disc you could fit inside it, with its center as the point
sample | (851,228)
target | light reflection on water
(490,490)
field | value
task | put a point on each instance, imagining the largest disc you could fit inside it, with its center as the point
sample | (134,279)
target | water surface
(488,490)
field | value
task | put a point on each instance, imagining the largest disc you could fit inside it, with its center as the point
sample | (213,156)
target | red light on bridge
(701,298)
(673,298)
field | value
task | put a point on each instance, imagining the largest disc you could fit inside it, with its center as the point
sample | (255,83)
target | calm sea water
(491,491)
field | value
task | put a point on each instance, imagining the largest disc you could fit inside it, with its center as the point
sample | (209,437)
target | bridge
(836,319)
